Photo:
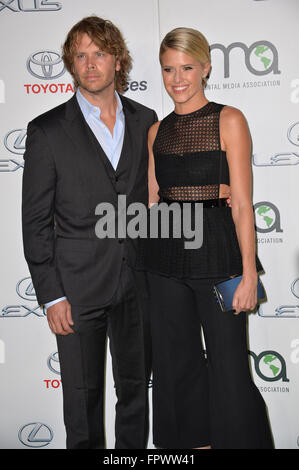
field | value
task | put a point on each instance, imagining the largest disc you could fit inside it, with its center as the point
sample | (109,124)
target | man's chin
(92,88)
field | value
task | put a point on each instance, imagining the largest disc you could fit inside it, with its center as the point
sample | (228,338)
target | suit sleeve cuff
(53,302)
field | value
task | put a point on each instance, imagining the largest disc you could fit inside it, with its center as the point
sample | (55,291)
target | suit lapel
(80,133)
(132,141)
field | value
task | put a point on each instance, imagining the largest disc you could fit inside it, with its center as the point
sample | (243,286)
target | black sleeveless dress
(189,166)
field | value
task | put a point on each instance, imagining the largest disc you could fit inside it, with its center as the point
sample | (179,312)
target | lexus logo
(35,435)
(25,289)
(14,141)
(46,65)
(294,288)
(293,134)
(34,5)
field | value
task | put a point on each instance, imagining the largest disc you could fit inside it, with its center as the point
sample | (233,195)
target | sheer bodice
(190,167)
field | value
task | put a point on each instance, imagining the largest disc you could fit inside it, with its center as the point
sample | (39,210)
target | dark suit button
(116,178)
(121,240)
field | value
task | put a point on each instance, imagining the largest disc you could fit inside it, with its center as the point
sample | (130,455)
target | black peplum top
(189,167)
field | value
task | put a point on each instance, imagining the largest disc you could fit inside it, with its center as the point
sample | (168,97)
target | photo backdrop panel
(253,69)
(32,81)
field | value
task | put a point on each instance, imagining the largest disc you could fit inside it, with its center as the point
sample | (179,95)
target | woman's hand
(245,297)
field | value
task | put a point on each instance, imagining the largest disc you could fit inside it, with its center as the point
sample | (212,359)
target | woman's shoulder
(230,115)
(152,132)
(233,126)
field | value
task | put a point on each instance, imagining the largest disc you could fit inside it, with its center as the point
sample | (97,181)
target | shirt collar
(87,108)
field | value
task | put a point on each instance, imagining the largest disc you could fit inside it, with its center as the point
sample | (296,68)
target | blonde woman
(201,153)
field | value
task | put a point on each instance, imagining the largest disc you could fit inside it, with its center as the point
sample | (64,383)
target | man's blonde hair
(108,38)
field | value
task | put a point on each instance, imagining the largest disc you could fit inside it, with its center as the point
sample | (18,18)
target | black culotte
(197,401)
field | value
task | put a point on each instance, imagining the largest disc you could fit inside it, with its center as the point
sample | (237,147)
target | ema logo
(29,5)
(46,65)
(267,217)
(267,223)
(261,58)
(270,366)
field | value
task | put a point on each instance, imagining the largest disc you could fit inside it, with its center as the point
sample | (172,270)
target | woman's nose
(177,76)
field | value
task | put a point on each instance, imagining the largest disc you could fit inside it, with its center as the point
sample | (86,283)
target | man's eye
(188,68)
(166,69)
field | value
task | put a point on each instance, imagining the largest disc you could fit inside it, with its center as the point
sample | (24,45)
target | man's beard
(98,89)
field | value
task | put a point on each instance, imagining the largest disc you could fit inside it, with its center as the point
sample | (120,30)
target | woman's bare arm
(237,142)
(153,188)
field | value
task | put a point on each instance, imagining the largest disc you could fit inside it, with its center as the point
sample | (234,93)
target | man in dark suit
(79,154)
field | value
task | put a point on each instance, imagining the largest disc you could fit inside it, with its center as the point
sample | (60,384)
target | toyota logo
(53,363)
(45,65)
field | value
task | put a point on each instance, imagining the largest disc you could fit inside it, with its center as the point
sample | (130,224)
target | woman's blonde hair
(191,42)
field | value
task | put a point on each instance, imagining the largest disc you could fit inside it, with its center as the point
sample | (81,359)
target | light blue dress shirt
(111,144)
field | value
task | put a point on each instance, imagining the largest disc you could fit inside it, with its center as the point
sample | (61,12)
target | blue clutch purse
(224,292)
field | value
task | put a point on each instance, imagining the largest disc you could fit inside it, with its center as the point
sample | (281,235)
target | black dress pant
(199,402)
(82,360)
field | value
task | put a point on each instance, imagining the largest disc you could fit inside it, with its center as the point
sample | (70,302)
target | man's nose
(90,63)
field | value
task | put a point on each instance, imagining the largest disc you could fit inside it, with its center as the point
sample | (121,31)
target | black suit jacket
(66,175)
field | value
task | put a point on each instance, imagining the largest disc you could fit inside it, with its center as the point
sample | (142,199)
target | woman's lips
(179,89)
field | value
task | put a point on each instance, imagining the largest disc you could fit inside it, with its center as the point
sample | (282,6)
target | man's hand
(229,201)
(60,318)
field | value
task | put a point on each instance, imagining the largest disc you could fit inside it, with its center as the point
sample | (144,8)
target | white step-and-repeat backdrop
(254,46)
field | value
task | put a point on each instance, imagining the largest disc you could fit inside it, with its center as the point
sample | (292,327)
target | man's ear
(117,65)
